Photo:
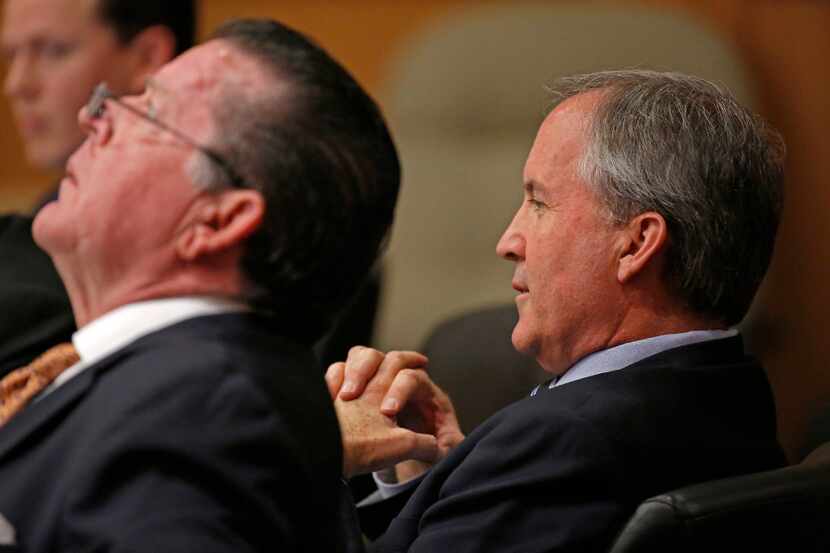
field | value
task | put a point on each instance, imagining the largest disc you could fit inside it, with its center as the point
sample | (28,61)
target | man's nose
(22,79)
(97,128)
(511,244)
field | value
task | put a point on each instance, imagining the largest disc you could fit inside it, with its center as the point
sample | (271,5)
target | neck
(653,316)
(93,297)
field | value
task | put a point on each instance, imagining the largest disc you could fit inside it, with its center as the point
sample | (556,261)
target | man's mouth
(520,287)
(31,125)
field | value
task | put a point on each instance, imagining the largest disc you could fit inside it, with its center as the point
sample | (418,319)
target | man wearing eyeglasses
(55,52)
(196,418)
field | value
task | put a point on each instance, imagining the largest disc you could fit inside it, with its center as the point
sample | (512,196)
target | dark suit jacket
(563,470)
(34,310)
(210,435)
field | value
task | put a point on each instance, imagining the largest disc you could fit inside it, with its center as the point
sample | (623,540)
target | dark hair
(682,147)
(130,17)
(317,148)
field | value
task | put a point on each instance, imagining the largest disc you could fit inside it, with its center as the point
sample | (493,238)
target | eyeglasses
(95,109)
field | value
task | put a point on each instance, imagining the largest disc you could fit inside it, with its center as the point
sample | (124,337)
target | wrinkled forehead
(192,89)
(210,68)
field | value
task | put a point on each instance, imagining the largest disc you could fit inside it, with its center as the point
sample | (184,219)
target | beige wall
(786,46)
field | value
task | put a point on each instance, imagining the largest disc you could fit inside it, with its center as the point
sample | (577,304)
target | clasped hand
(390,411)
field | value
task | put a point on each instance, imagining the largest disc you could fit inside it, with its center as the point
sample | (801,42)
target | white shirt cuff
(389,489)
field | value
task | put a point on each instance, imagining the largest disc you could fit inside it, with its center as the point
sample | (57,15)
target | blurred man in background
(56,51)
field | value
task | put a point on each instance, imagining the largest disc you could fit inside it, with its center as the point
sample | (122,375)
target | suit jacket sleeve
(375,517)
(529,487)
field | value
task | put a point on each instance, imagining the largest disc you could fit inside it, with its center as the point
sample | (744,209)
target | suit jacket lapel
(36,417)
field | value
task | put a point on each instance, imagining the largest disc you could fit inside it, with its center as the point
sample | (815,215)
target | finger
(334,378)
(396,362)
(408,384)
(361,365)
(387,449)
(448,440)
(424,447)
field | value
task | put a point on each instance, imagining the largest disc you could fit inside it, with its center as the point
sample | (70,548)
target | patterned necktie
(19,386)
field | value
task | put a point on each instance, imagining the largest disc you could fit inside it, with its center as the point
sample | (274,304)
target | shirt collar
(621,356)
(624,355)
(127,323)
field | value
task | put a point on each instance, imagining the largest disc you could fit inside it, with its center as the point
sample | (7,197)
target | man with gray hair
(651,203)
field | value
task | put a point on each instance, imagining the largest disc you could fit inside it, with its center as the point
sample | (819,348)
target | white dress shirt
(126,324)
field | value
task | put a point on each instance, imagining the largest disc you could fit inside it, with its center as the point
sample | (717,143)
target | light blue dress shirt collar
(624,355)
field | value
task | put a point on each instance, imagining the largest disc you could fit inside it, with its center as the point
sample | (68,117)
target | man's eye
(536,204)
(56,50)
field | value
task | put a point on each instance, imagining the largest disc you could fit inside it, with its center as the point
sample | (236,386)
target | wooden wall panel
(787,46)
(362,33)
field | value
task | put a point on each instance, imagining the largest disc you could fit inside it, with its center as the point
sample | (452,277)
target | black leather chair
(784,510)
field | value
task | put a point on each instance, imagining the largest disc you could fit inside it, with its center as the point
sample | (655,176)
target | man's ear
(643,239)
(221,222)
(149,50)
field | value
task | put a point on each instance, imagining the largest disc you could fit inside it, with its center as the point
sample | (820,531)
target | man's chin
(46,228)
(522,341)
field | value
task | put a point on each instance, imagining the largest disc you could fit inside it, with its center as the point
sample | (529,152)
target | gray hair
(204,173)
(686,149)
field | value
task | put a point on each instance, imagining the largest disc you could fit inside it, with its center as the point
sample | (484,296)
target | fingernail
(349,388)
(390,404)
